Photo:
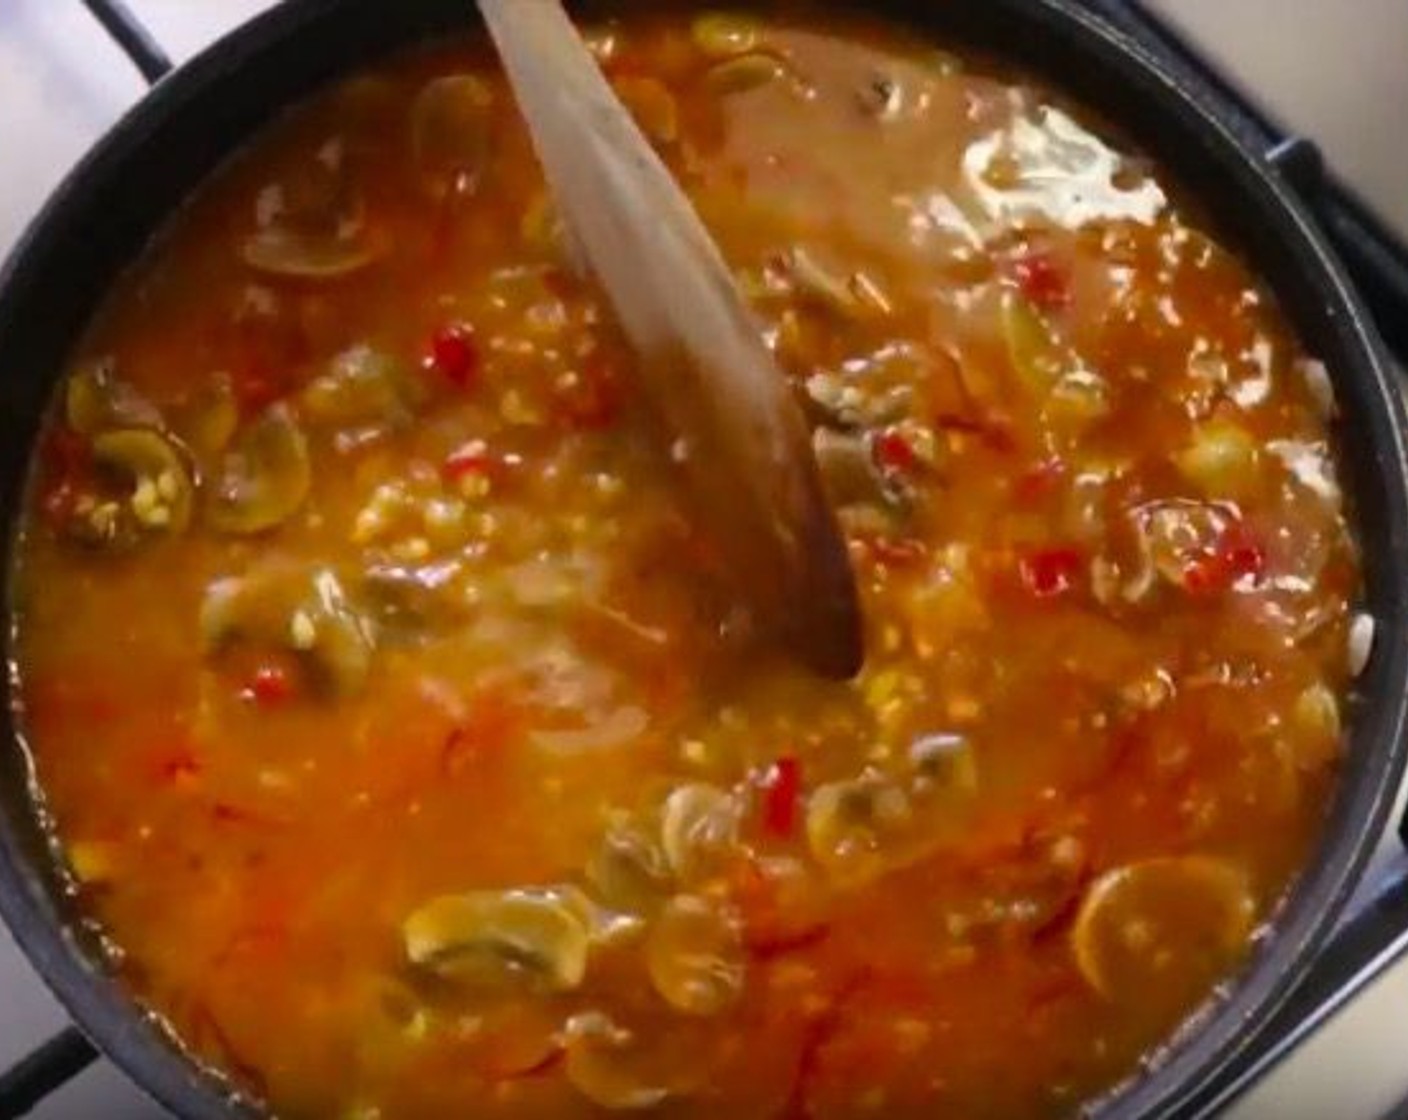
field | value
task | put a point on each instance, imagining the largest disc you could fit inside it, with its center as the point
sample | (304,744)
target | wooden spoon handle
(736,428)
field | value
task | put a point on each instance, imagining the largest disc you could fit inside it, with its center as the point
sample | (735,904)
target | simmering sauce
(406,739)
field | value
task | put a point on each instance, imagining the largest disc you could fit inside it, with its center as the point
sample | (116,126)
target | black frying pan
(106,211)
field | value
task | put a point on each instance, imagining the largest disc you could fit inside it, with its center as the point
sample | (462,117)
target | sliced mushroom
(1161,931)
(339,641)
(853,826)
(695,956)
(208,419)
(410,602)
(307,256)
(151,491)
(506,1038)
(699,830)
(264,477)
(300,609)
(630,1070)
(629,871)
(943,763)
(725,34)
(745,72)
(161,482)
(451,124)
(311,221)
(96,399)
(533,939)
(362,388)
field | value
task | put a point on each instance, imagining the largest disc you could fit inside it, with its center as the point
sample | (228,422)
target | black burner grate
(1373,935)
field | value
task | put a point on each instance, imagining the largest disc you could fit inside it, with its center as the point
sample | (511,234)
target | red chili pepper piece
(892,452)
(454,355)
(1051,571)
(1246,559)
(1041,280)
(782,791)
(270,685)
(1236,556)
(1205,575)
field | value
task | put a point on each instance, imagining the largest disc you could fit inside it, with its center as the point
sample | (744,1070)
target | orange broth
(403,734)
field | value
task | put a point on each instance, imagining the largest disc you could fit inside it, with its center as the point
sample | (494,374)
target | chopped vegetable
(1049,572)
(264,478)
(161,483)
(453,355)
(1041,281)
(695,956)
(305,256)
(210,418)
(725,34)
(496,939)
(1159,930)
(943,763)
(629,871)
(854,826)
(893,452)
(745,72)
(625,1070)
(451,133)
(304,611)
(698,830)
(782,791)
(143,491)
(362,388)
(271,685)
(96,399)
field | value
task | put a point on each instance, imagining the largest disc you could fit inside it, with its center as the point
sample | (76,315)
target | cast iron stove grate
(1374,932)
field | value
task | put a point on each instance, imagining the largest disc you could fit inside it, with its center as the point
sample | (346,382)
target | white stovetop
(1334,70)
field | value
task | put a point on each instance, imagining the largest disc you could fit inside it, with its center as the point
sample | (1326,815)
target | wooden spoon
(735,427)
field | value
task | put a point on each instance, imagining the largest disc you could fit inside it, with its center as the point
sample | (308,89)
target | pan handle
(43,1070)
(134,39)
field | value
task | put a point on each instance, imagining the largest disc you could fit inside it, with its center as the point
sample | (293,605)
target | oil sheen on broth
(399,725)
